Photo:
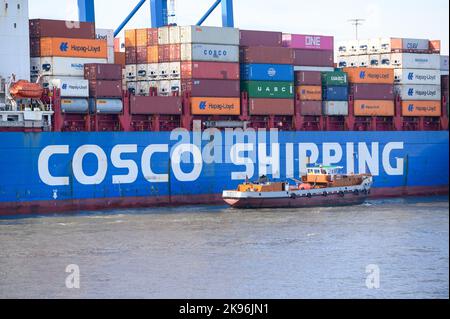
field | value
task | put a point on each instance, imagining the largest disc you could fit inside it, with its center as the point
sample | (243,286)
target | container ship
(177,114)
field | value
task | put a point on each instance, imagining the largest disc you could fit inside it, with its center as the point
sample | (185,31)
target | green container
(336,78)
(268,90)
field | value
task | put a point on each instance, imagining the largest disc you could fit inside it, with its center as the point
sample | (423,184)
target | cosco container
(419,92)
(335,93)
(370,75)
(210,70)
(308,78)
(335,78)
(143,105)
(372,91)
(335,108)
(271,107)
(209,53)
(268,55)
(309,92)
(209,35)
(313,58)
(215,106)
(388,45)
(421,108)
(102,71)
(267,90)
(211,88)
(69,87)
(105,89)
(105,106)
(310,108)
(74,48)
(417,76)
(61,66)
(267,72)
(309,42)
(374,108)
(74,105)
(40,28)
(249,38)
(416,61)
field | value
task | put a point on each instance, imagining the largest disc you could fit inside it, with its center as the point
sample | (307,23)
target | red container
(308,78)
(313,58)
(211,88)
(250,38)
(210,70)
(175,53)
(269,55)
(444,82)
(35,47)
(372,91)
(98,71)
(43,28)
(164,53)
(152,37)
(130,55)
(105,89)
(141,55)
(310,108)
(170,105)
(271,107)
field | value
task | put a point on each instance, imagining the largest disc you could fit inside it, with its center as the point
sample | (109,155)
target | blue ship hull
(55,172)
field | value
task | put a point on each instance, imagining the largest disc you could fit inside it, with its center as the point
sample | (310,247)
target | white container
(110,55)
(209,53)
(74,105)
(374,46)
(209,35)
(363,47)
(389,45)
(385,61)
(142,72)
(343,49)
(132,87)
(35,66)
(342,62)
(70,87)
(56,66)
(131,72)
(313,68)
(164,88)
(419,92)
(175,86)
(106,106)
(105,34)
(335,108)
(444,73)
(175,70)
(153,71)
(417,76)
(444,62)
(416,61)
(164,70)
(374,60)
(174,35)
(363,61)
(143,88)
(14,39)
(163,36)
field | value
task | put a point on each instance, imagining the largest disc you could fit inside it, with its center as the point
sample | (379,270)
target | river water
(215,252)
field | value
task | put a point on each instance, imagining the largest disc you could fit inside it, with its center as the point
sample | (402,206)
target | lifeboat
(26,90)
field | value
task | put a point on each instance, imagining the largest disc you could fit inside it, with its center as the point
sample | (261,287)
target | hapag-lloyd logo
(64,47)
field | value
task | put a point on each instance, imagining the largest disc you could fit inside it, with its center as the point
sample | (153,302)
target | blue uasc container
(267,72)
(335,93)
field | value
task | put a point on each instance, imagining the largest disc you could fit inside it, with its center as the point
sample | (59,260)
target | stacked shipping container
(335,93)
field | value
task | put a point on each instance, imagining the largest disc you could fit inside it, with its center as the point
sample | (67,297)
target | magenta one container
(309,42)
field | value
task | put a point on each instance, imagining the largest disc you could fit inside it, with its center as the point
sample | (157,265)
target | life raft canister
(26,90)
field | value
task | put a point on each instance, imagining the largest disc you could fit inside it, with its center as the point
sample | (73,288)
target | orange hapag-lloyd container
(370,75)
(421,108)
(74,48)
(130,38)
(310,92)
(215,106)
(153,54)
(374,108)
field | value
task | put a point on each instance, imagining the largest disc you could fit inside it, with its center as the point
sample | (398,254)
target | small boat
(321,186)
(26,90)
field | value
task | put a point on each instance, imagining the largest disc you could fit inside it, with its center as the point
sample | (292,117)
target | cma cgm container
(416,61)
(42,28)
(370,75)
(74,48)
(313,58)
(210,70)
(272,55)
(209,35)
(271,107)
(249,38)
(310,108)
(374,108)
(267,90)
(419,92)
(308,78)
(215,106)
(267,72)
(211,88)
(417,76)
(421,108)
(55,66)
(309,42)
(372,91)
(209,53)
(335,108)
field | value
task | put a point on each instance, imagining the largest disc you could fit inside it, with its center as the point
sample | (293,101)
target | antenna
(357,22)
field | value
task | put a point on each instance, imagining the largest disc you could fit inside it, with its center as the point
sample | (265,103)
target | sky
(425,19)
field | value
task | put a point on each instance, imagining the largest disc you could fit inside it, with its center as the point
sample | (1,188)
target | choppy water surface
(215,252)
